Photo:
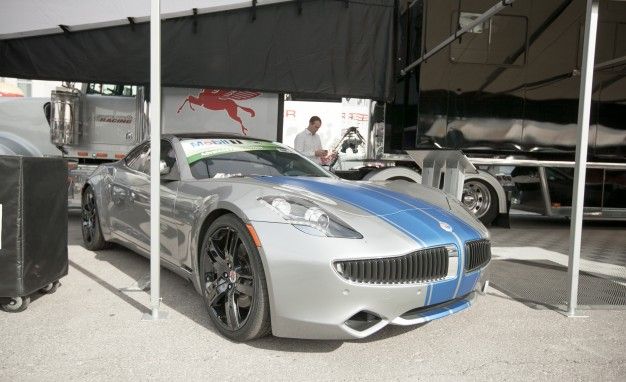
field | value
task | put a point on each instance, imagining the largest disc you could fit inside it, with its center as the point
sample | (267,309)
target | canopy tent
(313,47)
(317,47)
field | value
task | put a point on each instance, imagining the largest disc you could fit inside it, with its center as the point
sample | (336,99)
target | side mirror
(168,174)
(164,169)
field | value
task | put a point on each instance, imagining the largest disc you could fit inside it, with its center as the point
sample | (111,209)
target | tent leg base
(161,315)
(569,314)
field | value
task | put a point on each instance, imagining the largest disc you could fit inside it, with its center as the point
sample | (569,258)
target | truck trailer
(506,94)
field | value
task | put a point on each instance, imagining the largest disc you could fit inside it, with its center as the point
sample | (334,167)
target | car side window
(167,154)
(140,158)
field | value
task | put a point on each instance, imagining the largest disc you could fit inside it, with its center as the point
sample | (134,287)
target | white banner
(191,110)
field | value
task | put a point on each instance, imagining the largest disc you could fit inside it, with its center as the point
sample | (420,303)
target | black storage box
(33,224)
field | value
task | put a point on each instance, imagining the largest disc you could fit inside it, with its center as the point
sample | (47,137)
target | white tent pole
(584,112)
(155,154)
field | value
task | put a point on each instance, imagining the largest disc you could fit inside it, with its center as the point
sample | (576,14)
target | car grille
(477,254)
(423,265)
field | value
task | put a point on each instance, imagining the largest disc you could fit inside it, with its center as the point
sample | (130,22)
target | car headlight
(309,218)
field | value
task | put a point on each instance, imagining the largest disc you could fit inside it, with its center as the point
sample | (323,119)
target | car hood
(418,211)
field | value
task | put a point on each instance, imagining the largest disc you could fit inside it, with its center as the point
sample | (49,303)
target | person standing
(309,144)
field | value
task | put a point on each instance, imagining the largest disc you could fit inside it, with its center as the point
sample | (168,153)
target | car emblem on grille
(445,226)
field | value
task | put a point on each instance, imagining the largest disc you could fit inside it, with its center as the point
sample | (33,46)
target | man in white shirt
(308,143)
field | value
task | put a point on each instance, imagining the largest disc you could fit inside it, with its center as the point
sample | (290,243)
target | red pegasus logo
(216,99)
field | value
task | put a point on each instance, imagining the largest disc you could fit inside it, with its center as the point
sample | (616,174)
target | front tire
(233,281)
(92,233)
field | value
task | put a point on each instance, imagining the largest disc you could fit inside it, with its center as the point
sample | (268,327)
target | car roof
(211,136)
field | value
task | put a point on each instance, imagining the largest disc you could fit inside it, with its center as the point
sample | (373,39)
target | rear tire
(481,199)
(233,281)
(90,222)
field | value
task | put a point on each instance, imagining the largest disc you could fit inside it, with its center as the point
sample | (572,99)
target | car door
(140,193)
(122,211)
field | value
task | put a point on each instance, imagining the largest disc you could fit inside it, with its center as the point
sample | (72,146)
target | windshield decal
(196,149)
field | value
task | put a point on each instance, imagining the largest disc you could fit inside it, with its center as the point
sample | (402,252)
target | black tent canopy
(314,47)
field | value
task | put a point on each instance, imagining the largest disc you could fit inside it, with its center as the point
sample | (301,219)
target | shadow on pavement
(176,293)
(140,307)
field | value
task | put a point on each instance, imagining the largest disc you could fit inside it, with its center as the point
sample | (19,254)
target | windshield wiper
(222,175)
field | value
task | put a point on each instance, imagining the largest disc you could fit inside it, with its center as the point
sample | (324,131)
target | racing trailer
(506,94)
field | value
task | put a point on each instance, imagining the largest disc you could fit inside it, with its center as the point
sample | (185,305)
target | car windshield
(222,158)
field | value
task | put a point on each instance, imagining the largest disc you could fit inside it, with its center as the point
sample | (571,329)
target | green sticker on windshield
(196,149)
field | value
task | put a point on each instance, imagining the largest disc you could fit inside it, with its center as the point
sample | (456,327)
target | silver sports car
(275,243)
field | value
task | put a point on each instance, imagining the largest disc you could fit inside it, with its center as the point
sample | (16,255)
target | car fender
(209,208)
(98,181)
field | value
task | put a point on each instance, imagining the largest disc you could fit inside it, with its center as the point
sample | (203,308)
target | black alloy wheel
(234,287)
(92,234)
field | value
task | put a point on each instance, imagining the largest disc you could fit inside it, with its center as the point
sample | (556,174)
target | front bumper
(309,299)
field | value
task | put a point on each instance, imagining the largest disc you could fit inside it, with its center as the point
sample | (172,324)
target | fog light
(362,321)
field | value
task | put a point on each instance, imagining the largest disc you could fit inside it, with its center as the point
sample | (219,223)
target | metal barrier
(444,169)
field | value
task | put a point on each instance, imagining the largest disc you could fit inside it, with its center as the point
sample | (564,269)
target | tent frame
(582,144)
(155,161)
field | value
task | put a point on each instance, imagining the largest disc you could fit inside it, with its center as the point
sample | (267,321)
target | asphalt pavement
(89,330)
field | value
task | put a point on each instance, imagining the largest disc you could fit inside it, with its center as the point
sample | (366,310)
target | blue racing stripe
(468,283)
(442,291)
(464,230)
(443,311)
(413,221)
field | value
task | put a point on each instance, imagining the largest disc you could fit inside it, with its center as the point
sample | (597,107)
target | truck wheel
(16,304)
(481,199)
